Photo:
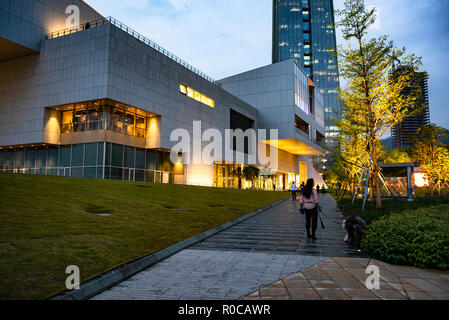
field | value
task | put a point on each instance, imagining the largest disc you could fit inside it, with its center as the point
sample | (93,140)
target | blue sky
(224,37)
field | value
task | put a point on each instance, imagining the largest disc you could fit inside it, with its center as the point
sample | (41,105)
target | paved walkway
(250,255)
(282,230)
(344,279)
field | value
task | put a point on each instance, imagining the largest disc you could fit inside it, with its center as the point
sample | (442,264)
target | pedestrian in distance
(317,188)
(293,189)
(309,201)
(323,190)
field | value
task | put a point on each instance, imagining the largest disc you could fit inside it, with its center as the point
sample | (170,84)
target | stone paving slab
(209,274)
(282,229)
(344,279)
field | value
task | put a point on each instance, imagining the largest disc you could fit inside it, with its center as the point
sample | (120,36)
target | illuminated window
(198,96)
(190,92)
(102,115)
(183,88)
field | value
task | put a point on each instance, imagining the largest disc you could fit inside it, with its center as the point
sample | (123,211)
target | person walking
(323,190)
(309,200)
(293,189)
(301,188)
(317,188)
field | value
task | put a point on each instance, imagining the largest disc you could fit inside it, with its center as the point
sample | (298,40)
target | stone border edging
(113,277)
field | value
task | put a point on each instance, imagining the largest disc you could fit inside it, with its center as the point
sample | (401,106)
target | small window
(196,96)
(190,92)
(183,89)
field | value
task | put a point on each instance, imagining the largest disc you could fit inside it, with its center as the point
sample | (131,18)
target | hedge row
(418,238)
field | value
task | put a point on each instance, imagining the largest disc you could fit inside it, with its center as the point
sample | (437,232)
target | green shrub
(419,237)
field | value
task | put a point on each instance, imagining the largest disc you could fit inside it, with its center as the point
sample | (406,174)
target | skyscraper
(303,30)
(402,134)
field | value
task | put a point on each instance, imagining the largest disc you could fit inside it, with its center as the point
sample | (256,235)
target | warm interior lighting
(198,96)
(200,175)
(420,179)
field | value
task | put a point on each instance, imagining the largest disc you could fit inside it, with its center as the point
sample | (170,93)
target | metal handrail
(136,35)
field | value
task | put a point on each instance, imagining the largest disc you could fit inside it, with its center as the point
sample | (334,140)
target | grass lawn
(48,223)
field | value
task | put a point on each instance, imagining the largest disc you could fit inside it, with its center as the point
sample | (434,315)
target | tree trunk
(376,179)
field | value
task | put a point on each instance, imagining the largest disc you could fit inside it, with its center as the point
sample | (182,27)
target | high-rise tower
(402,134)
(304,30)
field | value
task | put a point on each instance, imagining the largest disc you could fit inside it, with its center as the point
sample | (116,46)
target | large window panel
(77,155)
(19,159)
(168,165)
(140,158)
(140,127)
(41,159)
(129,122)
(30,158)
(64,157)
(116,173)
(149,176)
(140,175)
(100,172)
(80,121)
(129,157)
(90,158)
(9,160)
(90,172)
(77,172)
(108,153)
(150,160)
(117,155)
(2,160)
(53,154)
(95,117)
(117,120)
(100,154)
(159,161)
(67,124)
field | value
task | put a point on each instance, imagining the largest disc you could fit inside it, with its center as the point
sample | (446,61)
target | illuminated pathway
(235,262)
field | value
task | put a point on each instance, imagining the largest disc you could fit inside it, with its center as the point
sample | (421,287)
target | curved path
(246,257)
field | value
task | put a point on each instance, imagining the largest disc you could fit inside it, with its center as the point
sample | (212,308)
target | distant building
(303,30)
(387,142)
(403,133)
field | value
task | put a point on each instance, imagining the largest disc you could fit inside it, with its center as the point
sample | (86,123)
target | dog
(353,225)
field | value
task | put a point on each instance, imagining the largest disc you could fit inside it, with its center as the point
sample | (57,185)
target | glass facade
(102,115)
(302,30)
(96,160)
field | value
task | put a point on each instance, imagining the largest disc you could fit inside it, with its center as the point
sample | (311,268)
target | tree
(432,154)
(394,156)
(373,100)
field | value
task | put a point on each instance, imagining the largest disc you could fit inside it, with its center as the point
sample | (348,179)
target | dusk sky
(225,37)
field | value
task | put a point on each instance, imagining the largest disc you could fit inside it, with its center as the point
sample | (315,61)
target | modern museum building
(102,101)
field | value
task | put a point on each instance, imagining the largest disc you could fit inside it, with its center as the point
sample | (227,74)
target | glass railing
(118,24)
(119,127)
